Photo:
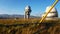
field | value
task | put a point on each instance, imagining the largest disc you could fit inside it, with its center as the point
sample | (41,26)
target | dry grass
(22,21)
(18,21)
(46,27)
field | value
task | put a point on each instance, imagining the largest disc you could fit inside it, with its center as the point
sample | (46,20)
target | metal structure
(49,11)
(27,12)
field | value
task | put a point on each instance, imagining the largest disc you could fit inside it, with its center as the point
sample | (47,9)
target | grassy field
(29,26)
(22,21)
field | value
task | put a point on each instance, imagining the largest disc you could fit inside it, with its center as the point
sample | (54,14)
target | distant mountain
(5,16)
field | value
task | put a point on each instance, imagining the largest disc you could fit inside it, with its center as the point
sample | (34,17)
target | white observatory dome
(53,10)
(52,14)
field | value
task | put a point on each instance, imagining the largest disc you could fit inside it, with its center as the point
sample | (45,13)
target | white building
(27,12)
(52,15)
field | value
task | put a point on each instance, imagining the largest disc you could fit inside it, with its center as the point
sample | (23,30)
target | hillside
(6,16)
(31,26)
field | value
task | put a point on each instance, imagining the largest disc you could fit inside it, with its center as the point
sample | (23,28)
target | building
(27,12)
(53,13)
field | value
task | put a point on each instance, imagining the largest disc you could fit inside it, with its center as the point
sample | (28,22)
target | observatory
(52,15)
(27,12)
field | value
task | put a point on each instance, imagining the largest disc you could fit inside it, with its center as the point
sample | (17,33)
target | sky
(38,7)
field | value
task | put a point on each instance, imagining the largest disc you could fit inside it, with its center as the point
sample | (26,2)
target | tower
(27,12)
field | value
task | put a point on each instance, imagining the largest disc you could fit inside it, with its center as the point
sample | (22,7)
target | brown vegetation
(25,26)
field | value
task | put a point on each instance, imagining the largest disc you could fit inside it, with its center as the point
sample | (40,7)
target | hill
(6,16)
(28,26)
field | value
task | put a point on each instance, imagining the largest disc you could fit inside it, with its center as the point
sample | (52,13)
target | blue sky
(17,6)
